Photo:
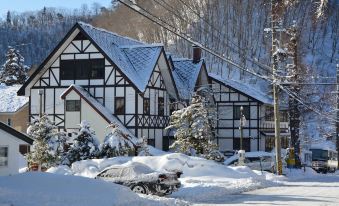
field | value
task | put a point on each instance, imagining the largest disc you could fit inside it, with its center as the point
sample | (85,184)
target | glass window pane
(3,156)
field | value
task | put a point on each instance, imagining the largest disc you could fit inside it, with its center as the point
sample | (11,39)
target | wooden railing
(270,125)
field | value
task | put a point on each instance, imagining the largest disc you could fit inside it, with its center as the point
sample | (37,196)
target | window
(98,69)
(3,156)
(246,112)
(161,106)
(119,105)
(24,149)
(9,122)
(146,106)
(72,105)
(246,144)
(82,69)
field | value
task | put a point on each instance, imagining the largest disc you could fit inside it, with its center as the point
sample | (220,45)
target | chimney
(196,54)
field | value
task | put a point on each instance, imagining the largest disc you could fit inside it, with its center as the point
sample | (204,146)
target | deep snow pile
(202,180)
(30,189)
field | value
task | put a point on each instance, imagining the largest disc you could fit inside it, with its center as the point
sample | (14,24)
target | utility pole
(275,64)
(293,104)
(337,123)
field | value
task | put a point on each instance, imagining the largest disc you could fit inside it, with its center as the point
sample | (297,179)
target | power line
(189,39)
(265,67)
(185,37)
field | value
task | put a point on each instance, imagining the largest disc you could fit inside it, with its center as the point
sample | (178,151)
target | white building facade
(13,145)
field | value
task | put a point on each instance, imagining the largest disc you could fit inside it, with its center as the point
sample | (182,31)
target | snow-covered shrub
(48,143)
(192,126)
(85,145)
(13,71)
(143,149)
(116,143)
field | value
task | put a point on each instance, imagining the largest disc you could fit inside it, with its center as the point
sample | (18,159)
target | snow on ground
(10,102)
(35,188)
(201,180)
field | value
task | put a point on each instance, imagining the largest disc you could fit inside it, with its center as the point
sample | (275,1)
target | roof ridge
(81,23)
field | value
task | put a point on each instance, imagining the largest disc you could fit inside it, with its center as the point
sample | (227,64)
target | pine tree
(85,145)
(13,71)
(116,143)
(48,143)
(193,130)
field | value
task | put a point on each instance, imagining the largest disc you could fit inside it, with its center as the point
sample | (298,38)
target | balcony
(269,125)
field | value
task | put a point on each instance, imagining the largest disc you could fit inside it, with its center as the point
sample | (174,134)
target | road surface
(323,190)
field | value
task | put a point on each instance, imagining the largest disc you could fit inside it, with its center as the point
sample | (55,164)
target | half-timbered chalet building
(258,131)
(94,72)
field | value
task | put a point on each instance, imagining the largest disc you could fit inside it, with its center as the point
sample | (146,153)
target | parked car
(142,179)
(263,161)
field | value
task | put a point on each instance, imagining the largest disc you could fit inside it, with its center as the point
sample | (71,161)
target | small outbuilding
(13,146)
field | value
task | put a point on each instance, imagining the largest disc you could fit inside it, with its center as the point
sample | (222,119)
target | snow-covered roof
(244,88)
(10,102)
(185,74)
(103,111)
(134,58)
(325,145)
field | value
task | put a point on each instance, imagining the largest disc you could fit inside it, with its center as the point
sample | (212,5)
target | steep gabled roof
(244,89)
(185,74)
(136,60)
(10,102)
(98,107)
(15,133)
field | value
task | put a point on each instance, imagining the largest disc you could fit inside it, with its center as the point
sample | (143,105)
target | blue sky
(30,5)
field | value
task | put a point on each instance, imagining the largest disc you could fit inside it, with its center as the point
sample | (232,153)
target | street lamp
(241,152)
(40,92)
(241,126)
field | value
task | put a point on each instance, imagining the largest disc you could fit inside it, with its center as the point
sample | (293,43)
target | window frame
(77,105)
(6,158)
(147,110)
(82,69)
(9,122)
(119,111)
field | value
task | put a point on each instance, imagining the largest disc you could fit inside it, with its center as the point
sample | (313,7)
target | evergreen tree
(116,143)
(48,143)
(13,71)
(193,130)
(85,145)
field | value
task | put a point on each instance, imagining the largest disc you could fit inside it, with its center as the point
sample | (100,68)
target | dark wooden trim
(15,133)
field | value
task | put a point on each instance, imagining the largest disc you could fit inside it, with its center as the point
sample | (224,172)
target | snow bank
(36,188)
(202,179)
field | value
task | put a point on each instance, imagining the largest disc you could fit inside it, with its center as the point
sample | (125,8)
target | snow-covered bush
(116,143)
(143,149)
(48,143)
(13,71)
(193,133)
(85,145)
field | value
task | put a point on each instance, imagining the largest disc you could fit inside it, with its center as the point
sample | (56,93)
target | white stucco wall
(14,157)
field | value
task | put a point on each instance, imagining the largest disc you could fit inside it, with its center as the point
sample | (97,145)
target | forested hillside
(36,33)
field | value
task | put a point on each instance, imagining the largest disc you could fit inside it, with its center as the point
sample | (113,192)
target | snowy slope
(9,101)
(30,189)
